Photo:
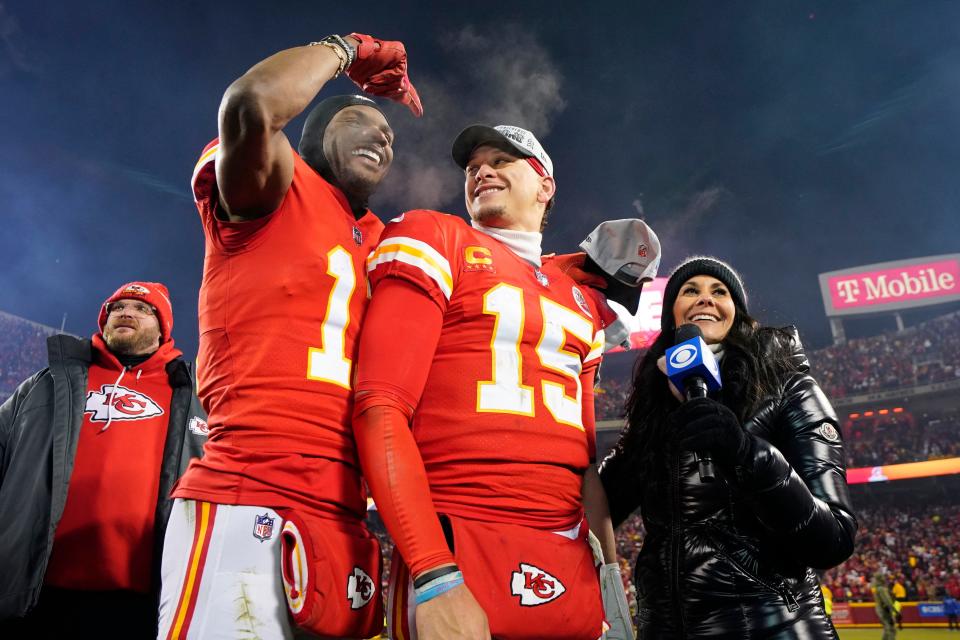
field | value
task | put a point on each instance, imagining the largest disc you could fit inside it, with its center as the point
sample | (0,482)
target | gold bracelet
(341,55)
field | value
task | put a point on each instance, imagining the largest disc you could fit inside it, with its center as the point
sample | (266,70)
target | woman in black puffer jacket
(735,558)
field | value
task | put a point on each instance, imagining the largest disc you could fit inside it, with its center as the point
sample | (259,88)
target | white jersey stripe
(596,349)
(417,254)
(209,156)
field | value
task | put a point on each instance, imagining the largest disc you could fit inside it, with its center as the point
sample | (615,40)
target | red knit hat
(153,293)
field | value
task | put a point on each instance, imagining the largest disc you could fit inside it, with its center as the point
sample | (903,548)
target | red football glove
(572,265)
(380,69)
(607,315)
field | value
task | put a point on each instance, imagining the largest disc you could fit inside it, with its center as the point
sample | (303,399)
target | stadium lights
(879,412)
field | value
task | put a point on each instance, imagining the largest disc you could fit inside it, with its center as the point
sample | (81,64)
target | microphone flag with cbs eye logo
(691,358)
(691,366)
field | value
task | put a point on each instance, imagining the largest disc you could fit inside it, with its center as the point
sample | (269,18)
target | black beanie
(311,140)
(700,266)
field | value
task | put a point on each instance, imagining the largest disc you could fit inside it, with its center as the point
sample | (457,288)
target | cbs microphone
(691,366)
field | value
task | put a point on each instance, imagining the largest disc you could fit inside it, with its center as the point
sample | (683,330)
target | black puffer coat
(736,558)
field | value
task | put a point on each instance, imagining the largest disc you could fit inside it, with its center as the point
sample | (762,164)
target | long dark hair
(756,359)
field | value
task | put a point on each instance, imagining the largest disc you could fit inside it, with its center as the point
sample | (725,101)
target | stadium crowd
(24,350)
(609,398)
(917,546)
(901,437)
(923,354)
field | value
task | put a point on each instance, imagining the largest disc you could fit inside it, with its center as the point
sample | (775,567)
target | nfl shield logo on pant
(263,527)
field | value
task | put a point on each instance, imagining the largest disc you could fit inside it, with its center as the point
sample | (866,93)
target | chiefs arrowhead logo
(534,586)
(581,301)
(137,289)
(360,588)
(120,403)
(198,426)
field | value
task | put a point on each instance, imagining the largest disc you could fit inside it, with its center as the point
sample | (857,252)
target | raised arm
(255,161)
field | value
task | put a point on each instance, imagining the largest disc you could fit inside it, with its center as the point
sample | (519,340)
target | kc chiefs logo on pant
(360,588)
(534,585)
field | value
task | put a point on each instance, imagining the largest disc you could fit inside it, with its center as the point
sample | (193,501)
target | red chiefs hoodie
(104,540)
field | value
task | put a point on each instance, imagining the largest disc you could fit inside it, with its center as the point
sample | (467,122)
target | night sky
(789,138)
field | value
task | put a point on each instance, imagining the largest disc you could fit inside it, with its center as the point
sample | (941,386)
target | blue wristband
(438,586)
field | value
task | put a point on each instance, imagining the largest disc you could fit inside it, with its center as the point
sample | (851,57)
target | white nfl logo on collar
(541,277)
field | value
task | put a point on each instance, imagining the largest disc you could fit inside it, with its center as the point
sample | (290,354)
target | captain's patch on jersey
(477,258)
(534,586)
(119,403)
(360,588)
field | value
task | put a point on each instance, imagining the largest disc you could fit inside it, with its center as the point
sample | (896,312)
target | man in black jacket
(90,448)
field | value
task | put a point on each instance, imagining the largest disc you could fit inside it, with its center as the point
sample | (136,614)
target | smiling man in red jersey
(267,537)
(474,410)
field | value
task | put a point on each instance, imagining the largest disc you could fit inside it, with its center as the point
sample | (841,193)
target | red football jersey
(280,308)
(502,425)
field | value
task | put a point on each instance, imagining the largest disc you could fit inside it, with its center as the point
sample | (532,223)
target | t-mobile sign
(889,286)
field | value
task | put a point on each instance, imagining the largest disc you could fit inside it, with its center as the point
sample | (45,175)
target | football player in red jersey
(474,410)
(271,520)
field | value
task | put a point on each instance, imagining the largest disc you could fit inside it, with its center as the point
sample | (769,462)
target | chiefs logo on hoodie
(115,402)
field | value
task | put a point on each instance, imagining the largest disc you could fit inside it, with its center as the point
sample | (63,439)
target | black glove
(706,425)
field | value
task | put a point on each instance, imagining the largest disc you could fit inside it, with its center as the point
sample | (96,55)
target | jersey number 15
(505,392)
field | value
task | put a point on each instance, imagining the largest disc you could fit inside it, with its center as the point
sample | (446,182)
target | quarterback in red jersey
(272,518)
(476,429)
